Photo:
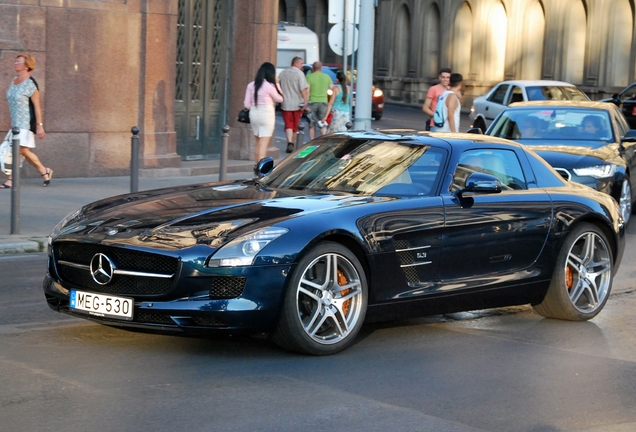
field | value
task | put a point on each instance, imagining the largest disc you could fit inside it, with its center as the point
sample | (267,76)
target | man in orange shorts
(296,93)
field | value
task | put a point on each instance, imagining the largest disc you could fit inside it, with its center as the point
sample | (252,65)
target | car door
(493,238)
(496,102)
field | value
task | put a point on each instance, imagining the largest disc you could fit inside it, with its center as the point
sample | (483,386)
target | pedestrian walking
(339,104)
(25,108)
(261,96)
(452,99)
(319,83)
(433,94)
(296,99)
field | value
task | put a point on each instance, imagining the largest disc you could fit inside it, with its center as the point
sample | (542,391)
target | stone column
(253,41)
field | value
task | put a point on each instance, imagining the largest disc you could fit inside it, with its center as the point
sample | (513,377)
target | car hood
(565,155)
(206,214)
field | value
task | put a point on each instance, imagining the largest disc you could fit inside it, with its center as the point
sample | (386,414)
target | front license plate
(102,305)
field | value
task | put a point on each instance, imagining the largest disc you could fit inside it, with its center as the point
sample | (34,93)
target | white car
(486,108)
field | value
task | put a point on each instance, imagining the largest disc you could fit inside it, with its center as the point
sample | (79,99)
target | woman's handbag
(6,154)
(244,115)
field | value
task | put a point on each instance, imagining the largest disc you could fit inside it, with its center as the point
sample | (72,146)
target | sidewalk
(41,208)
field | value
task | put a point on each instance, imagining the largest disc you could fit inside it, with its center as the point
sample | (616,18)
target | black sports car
(586,142)
(354,226)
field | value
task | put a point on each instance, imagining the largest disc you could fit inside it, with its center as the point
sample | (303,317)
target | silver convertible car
(353,227)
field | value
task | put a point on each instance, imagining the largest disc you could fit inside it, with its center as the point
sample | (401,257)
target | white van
(295,40)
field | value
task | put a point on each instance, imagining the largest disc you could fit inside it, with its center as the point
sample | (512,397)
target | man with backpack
(434,92)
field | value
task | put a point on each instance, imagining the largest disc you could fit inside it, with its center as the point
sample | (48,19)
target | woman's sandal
(49,172)
(6,185)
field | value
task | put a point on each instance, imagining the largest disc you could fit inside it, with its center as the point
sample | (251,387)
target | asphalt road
(498,370)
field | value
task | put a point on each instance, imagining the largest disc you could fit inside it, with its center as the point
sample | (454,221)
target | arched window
(532,44)
(619,39)
(575,27)
(463,40)
(301,12)
(431,43)
(498,33)
(402,44)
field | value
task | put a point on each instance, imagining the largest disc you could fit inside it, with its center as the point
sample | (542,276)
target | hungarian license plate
(102,305)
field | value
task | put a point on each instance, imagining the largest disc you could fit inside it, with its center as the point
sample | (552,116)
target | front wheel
(582,278)
(325,302)
(625,200)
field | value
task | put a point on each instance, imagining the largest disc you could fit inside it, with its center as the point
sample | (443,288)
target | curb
(16,245)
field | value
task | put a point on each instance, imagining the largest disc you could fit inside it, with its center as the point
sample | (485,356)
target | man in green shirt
(319,82)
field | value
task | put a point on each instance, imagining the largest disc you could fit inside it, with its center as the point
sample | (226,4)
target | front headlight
(598,171)
(243,250)
(57,230)
(377,92)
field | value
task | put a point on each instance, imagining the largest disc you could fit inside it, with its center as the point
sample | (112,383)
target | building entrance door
(200,79)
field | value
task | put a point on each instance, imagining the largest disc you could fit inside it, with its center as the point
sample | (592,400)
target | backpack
(438,115)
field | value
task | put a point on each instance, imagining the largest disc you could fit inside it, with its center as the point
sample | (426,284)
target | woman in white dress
(261,96)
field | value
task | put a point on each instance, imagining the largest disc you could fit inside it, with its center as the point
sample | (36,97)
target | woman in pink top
(260,98)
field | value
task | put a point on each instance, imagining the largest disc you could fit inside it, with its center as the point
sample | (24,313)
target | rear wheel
(582,279)
(325,303)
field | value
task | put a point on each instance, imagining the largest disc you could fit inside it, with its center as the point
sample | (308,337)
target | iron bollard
(300,136)
(224,150)
(134,160)
(15,182)
(348,125)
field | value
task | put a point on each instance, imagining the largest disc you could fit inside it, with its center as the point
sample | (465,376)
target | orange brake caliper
(569,278)
(342,280)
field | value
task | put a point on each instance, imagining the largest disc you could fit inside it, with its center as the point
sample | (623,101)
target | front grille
(124,259)
(227,287)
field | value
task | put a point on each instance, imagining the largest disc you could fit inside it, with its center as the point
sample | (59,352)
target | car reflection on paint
(354,227)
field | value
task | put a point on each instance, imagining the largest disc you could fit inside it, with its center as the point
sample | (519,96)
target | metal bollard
(134,160)
(348,125)
(15,182)
(224,150)
(300,136)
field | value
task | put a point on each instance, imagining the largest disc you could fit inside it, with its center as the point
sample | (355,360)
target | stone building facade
(178,68)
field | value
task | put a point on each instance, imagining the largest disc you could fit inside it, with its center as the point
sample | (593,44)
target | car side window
(621,123)
(516,95)
(629,93)
(499,94)
(502,164)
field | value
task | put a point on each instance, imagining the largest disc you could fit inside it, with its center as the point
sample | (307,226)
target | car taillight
(634,110)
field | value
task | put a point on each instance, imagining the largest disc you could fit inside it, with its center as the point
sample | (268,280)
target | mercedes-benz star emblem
(102,269)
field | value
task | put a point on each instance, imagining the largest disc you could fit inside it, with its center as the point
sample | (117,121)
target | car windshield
(554,124)
(360,166)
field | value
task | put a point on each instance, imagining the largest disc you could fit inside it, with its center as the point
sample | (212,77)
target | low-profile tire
(325,302)
(582,278)
(377,117)
(625,200)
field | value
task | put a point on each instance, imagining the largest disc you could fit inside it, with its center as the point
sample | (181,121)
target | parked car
(377,98)
(603,159)
(486,108)
(626,101)
(353,227)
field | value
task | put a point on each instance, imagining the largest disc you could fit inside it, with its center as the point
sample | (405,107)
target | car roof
(460,139)
(527,83)
(563,103)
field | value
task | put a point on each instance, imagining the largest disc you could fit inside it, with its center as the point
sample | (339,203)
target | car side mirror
(480,183)
(475,131)
(264,167)
(630,136)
